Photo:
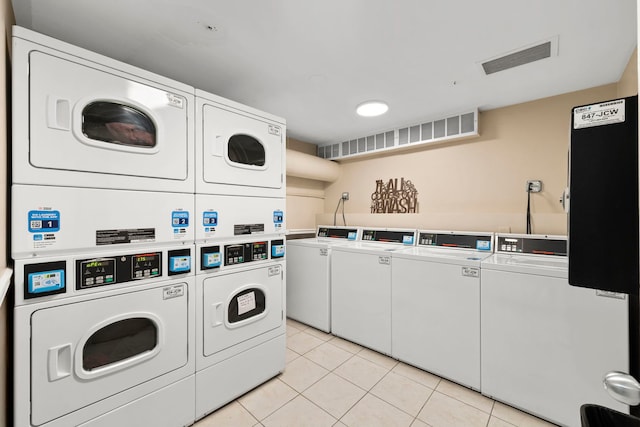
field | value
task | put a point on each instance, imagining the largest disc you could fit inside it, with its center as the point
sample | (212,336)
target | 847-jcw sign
(599,114)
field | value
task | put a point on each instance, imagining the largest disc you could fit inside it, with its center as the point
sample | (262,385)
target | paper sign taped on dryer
(246,303)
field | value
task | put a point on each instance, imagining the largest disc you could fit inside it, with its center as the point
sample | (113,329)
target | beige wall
(479,184)
(7,19)
(305,197)
(628,84)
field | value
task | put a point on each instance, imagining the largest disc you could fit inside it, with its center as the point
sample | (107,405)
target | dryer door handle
(217,148)
(216,314)
(58,113)
(59,362)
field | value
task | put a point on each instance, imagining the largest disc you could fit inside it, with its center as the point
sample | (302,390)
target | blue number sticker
(44,221)
(210,218)
(179,219)
(278,217)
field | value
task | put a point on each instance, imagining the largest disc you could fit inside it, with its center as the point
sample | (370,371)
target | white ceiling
(312,62)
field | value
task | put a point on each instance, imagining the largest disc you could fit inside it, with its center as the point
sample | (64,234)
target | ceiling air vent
(523,56)
(457,126)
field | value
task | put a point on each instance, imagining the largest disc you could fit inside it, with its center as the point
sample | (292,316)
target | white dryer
(84,120)
(546,344)
(361,287)
(239,150)
(105,339)
(240,318)
(309,275)
(50,220)
(435,303)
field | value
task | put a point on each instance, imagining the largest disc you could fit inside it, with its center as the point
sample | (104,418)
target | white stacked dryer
(435,303)
(545,344)
(102,239)
(102,152)
(240,275)
(240,151)
(361,287)
(309,275)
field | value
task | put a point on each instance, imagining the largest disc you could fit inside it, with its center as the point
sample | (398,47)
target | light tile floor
(329,381)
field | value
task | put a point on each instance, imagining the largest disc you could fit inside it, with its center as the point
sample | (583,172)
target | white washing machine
(546,344)
(309,275)
(84,120)
(53,220)
(239,150)
(240,318)
(435,303)
(105,339)
(361,287)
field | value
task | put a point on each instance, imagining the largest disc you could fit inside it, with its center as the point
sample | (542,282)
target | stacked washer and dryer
(107,205)
(240,278)
(101,237)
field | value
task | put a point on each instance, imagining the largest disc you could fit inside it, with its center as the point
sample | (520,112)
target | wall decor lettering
(391,198)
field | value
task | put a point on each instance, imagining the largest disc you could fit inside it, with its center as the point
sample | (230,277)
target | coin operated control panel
(50,278)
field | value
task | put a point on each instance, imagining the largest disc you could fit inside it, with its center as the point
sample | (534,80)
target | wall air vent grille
(441,130)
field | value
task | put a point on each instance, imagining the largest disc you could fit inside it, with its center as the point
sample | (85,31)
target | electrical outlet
(534,186)
(345,196)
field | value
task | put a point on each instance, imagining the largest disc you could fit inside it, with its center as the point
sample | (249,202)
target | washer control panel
(246,252)
(479,242)
(534,245)
(104,271)
(406,237)
(338,233)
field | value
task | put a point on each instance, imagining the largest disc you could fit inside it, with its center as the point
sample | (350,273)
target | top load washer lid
(531,254)
(447,256)
(450,247)
(377,240)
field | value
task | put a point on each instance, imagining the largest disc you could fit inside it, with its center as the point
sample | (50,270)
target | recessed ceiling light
(372,108)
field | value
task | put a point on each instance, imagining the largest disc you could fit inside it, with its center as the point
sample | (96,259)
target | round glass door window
(246,150)
(118,124)
(118,341)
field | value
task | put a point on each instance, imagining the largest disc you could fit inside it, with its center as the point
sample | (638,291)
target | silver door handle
(622,387)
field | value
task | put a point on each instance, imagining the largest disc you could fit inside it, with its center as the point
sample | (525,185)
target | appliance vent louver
(441,130)
(521,57)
